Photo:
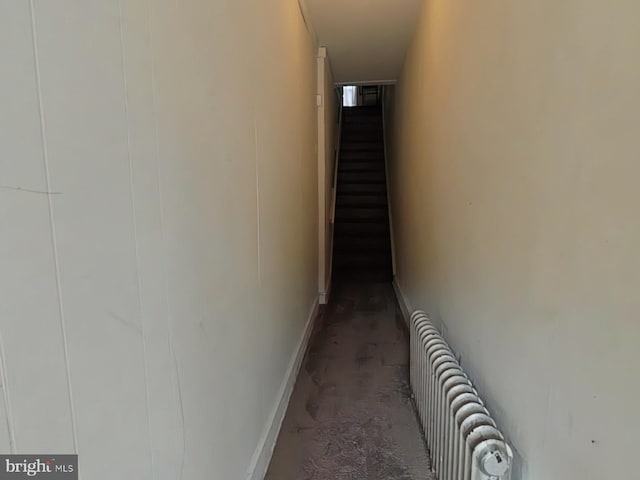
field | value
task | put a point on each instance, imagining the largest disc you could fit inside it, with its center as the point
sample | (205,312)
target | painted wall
(158,247)
(327,134)
(366,39)
(515,201)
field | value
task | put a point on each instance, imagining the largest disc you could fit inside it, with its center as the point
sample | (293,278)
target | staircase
(362,249)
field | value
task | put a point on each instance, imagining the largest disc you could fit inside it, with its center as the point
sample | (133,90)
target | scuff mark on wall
(178,389)
(7,400)
(126,323)
(257,158)
(28,190)
(52,224)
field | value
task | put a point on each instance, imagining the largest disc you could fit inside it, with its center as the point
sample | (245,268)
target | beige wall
(366,40)
(515,201)
(152,301)
(327,130)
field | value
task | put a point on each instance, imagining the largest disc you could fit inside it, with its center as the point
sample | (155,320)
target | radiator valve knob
(495,464)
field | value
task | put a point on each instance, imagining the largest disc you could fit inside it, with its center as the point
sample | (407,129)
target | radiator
(462,438)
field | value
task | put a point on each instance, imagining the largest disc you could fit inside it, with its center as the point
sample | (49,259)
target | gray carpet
(350,415)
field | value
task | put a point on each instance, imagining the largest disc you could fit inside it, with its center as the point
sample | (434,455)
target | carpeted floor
(350,415)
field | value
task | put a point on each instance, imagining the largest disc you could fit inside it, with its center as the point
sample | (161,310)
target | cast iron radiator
(463,439)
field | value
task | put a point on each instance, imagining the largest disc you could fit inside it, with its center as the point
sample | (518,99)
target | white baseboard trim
(405,306)
(262,455)
(324,296)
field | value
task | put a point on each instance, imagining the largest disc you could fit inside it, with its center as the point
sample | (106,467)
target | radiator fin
(463,439)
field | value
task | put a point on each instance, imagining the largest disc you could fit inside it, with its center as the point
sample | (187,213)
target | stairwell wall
(514,194)
(158,254)
(327,135)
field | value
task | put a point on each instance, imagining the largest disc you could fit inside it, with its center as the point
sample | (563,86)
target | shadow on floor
(350,416)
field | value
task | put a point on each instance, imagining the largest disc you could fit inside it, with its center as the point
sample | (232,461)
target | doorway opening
(361,95)
(349,96)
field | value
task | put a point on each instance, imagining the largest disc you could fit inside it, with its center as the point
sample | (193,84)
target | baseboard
(324,296)
(262,455)
(405,306)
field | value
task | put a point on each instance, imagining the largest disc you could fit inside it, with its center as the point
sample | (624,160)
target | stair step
(362,153)
(362,120)
(362,201)
(363,110)
(362,274)
(362,117)
(352,214)
(362,130)
(368,158)
(354,126)
(363,244)
(368,116)
(350,133)
(351,146)
(361,139)
(361,156)
(370,121)
(361,260)
(357,140)
(368,124)
(360,229)
(361,177)
(362,189)
(371,166)
(376,257)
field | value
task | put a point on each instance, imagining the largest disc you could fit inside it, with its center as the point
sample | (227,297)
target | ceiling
(366,40)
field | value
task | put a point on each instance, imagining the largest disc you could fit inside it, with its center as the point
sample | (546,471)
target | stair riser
(370,167)
(362,262)
(344,211)
(361,119)
(362,189)
(359,177)
(365,144)
(368,129)
(351,244)
(355,131)
(346,157)
(363,230)
(360,201)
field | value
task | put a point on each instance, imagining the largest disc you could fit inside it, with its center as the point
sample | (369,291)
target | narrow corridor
(350,414)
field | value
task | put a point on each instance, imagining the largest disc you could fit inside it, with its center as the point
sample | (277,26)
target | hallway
(350,414)
(180,187)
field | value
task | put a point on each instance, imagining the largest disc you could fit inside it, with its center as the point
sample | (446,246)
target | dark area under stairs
(351,416)
(361,249)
